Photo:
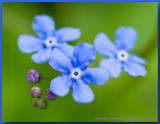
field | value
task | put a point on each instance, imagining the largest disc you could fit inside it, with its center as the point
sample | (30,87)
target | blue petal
(81,92)
(96,76)
(42,56)
(68,34)
(59,61)
(84,54)
(29,43)
(137,59)
(126,38)
(113,65)
(134,69)
(104,46)
(61,85)
(44,25)
(66,49)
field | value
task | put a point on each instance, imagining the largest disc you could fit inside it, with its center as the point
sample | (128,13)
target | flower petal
(44,25)
(104,46)
(84,54)
(113,65)
(59,61)
(42,56)
(61,85)
(137,59)
(81,92)
(97,76)
(66,49)
(134,69)
(126,38)
(68,34)
(29,43)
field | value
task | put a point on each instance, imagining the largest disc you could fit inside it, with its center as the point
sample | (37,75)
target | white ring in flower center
(122,55)
(51,41)
(76,73)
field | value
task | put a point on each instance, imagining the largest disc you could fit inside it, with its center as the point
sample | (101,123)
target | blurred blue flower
(117,55)
(47,39)
(75,74)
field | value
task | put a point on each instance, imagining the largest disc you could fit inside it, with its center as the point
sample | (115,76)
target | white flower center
(122,55)
(50,42)
(76,73)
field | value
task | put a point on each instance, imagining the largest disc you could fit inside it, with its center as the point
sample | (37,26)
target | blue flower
(47,39)
(118,56)
(75,74)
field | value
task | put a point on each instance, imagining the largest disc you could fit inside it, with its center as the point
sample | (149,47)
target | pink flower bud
(50,95)
(33,76)
(41,103)
(35,92)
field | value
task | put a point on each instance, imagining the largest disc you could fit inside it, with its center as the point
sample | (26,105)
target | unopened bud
(35,92)
(41,103)
(33,76)
(50,95)
(34,101)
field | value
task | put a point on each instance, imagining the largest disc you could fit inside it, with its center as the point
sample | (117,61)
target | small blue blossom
(47,39)
(75,74)
(118,56)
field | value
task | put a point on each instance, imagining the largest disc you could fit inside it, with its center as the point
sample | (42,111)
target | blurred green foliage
(125,96)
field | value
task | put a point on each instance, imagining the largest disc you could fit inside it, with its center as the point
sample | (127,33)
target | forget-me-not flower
(118,56)
(47,39)
(75,74)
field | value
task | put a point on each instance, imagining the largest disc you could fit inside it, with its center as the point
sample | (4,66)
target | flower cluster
(73,62)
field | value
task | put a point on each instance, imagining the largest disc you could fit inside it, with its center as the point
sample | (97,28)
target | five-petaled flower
(47,39)
(75,74)
(117,55)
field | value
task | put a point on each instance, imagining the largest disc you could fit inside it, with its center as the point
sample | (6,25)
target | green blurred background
(125,96)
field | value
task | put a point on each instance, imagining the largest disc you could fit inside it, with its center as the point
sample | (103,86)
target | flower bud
(41,103)
(35,92)
(34,101)
(50,95)
(33,76)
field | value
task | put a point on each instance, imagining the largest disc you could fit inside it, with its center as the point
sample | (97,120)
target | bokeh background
(125,96)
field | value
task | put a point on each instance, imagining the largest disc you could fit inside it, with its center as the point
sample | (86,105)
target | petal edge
(81,92)
(104,46)
(96,76)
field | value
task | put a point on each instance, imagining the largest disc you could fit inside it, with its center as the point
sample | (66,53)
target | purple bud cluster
(33,77)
